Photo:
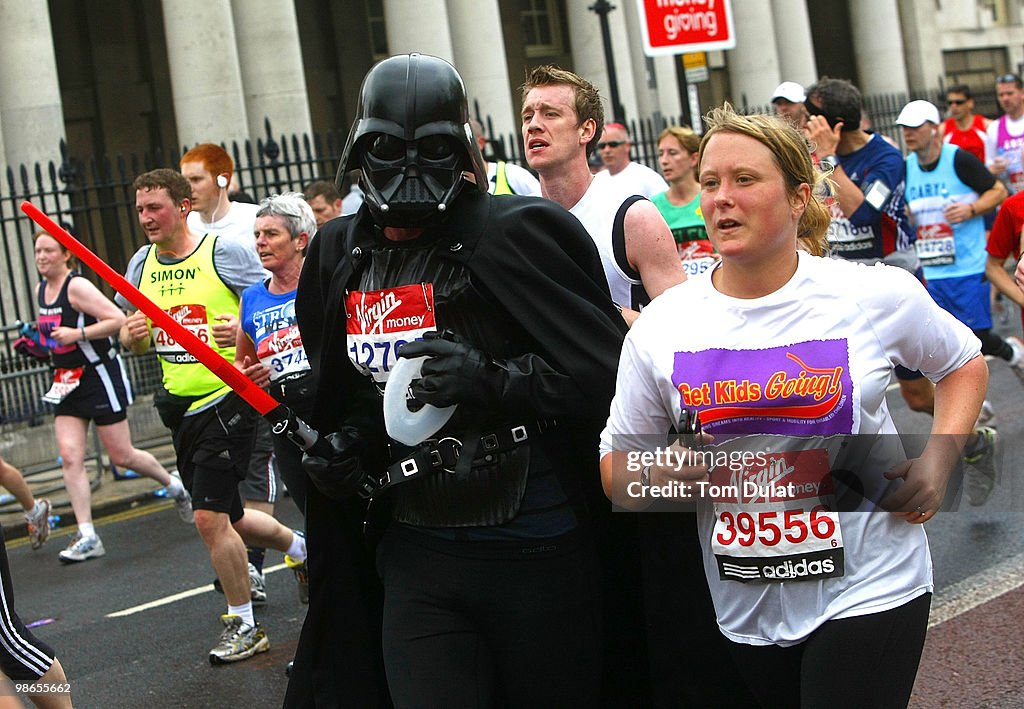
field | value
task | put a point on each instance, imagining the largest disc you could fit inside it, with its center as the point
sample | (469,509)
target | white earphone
(222,181)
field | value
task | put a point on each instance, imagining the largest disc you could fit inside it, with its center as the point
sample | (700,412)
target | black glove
(343,474)
(455,372)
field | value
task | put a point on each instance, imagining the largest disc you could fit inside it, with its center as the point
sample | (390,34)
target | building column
(271,67)
(31,126)
(419,26)
(206,80)
(30,107)
(479,54)
(588,54)
(878,46)
(925,67)
(670,103)
(754,63)
(796,53)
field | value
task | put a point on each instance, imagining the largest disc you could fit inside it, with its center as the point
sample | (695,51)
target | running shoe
(238,641)
(38,519)
(980,471)
(183,503)
(1017,361)
(82,549)
(987,417)
(301,577)
(257,586)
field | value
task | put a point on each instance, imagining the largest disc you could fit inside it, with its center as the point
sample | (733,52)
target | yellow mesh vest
(192,293)
(501,185)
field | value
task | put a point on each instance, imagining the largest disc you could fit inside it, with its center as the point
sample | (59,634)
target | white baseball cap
(791,91)
(917,113)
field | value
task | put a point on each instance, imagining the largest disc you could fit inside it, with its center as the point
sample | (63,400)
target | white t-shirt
(640,179)
(741,363)
(237,224)
(596,211)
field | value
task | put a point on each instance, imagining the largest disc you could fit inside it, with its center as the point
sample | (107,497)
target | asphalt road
(121,652)
(118,652)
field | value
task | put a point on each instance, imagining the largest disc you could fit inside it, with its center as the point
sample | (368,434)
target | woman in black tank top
(77,324)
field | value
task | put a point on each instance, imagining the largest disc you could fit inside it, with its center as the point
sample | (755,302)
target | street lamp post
(602,8)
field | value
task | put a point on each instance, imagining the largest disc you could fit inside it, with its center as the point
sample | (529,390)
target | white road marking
(975,590)
(197,591)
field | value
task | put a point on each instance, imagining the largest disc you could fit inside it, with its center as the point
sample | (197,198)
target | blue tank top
(269,321)
(946,250)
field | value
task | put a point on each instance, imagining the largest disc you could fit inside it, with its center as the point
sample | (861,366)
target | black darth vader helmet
(411,140)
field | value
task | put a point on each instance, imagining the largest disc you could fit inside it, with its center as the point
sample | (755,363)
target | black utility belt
(436,455)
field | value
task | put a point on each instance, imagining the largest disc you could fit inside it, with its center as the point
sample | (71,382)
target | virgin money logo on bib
(803,389)
(379,322)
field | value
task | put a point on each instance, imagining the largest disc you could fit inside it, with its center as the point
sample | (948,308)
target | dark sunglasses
(610,144)
(956,101)
(1008,79)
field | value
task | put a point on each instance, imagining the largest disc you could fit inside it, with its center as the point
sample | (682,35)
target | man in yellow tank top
(198,280)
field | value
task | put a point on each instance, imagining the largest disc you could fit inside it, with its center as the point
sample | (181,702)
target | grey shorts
(262,482)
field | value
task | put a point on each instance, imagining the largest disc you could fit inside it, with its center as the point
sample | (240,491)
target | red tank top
(972,140)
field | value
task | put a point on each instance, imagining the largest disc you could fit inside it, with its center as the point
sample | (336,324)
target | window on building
(376,29)
(542,28)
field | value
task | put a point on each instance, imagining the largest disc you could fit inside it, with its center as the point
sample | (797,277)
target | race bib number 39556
(379,322)
(777,523)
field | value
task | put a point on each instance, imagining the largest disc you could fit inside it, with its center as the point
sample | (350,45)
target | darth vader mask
(411,141)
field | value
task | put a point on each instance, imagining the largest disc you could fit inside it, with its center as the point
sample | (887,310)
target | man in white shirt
(614,151)
(208,169)
(639,253)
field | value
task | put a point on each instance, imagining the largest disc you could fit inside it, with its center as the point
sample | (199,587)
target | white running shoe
(183,502)
(82,548)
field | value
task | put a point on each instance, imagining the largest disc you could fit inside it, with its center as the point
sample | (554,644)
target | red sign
(678,26)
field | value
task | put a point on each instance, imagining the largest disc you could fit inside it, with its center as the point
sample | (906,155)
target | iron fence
(95,199)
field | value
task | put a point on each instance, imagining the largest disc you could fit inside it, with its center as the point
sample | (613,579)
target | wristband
(83,333)
(973,213)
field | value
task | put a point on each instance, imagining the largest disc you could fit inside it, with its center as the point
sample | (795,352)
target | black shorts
(213,448)
(23,656)
(262,482)
(103,395)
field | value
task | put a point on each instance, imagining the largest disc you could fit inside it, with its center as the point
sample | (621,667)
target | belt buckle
(447,453)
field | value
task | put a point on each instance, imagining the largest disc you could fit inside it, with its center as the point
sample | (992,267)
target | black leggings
(519,629)
(865,661)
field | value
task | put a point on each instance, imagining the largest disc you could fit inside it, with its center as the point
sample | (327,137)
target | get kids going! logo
(800,389)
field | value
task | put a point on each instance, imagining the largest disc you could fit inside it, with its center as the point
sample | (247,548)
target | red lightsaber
(284,422)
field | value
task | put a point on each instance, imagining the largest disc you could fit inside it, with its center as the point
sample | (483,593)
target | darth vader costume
(486,552)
